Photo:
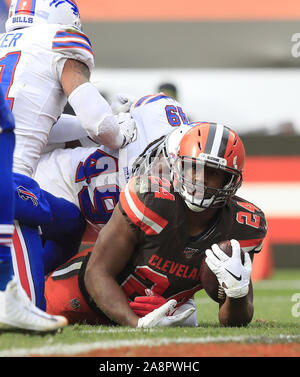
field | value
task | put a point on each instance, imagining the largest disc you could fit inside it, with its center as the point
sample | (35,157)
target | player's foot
(18,312)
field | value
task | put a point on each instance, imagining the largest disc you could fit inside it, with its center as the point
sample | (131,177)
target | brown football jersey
(167,259)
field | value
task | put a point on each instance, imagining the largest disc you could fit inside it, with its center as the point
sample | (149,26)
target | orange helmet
(207,145)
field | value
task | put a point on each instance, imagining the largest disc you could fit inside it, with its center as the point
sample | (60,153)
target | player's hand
(155,318)
(143,305)
(191,320)
(232,274)
(121,103)
(179,317)
(160,318)
(127,127)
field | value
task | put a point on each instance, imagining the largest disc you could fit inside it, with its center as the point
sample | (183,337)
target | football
(208,278)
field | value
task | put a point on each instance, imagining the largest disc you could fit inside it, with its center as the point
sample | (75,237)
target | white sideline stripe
(74,266)
(73,349)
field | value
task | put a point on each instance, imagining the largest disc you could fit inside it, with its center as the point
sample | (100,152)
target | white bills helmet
(25,13)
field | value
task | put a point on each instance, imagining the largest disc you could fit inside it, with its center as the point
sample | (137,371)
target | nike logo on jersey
(239,278)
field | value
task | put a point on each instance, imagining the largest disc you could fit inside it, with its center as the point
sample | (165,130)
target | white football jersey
(92,178)
(31,63)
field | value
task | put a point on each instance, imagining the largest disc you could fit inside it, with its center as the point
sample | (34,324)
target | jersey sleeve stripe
(149,226)
(63,35)
(154,217)
(141,100)
(151,98)
(64,39)
(133,214)
(158,97)
(74,45)
(139,214)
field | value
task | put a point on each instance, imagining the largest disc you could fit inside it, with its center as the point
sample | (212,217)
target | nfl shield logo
(189,252)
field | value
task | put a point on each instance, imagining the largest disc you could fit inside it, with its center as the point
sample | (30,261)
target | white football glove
(232,275)
(127,128)
(154,318)
(121,103)
(159,317)
(188,313)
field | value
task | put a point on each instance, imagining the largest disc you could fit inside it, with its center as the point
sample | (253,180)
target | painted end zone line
(73,349)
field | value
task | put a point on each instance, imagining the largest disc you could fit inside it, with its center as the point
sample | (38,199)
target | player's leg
(28,263)
(64,296)
(62,222)
(16,310)
(7,142)
(62,237)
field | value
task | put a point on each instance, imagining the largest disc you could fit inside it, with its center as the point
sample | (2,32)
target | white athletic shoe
(17,311)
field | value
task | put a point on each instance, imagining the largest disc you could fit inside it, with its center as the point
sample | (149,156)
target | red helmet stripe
(26,7)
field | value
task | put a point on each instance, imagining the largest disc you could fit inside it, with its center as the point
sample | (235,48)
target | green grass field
(276,320)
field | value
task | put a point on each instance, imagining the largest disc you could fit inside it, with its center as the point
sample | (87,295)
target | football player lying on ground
(147,259)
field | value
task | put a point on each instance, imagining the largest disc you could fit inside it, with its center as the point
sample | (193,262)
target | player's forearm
(96,116)
(67,128)
(110,298)
(236,311)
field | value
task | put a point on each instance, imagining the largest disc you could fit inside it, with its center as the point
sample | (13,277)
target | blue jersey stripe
(139,102)
(63,34)
(158,98)
(71,44)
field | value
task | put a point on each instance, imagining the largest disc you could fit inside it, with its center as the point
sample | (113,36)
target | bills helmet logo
(73,4)
(25,194)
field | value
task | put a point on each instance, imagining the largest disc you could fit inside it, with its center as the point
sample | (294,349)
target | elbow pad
(95,115)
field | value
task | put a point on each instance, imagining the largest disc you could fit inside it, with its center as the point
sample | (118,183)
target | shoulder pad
(74,44)
(139,204)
